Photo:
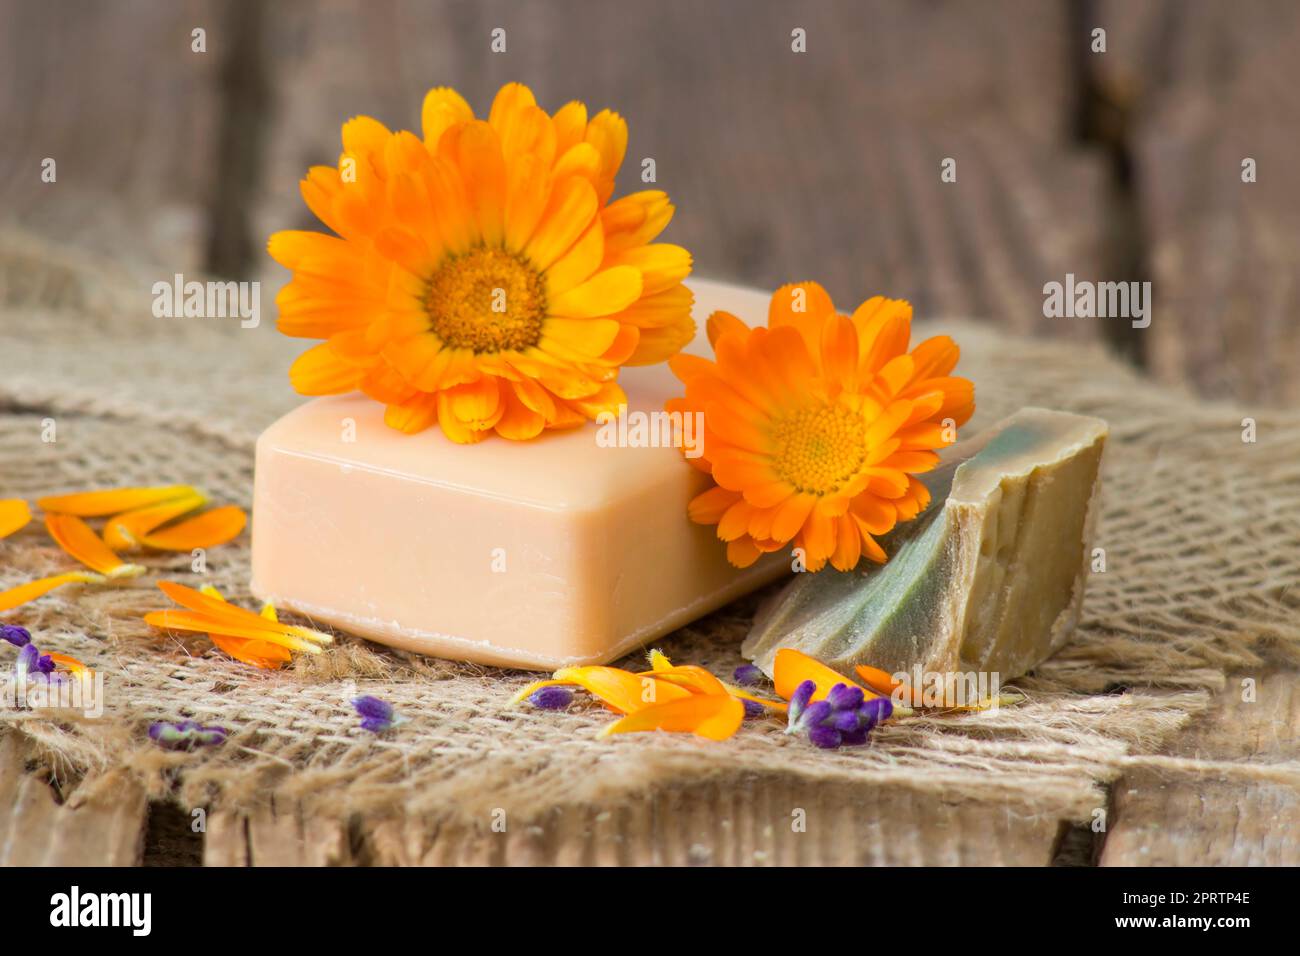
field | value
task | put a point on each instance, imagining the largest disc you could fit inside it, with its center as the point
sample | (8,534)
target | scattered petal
(123,532)
(793,667)
(98,504)
(74,536)
(14,514)
(713,716)
(24,593)
(208,530)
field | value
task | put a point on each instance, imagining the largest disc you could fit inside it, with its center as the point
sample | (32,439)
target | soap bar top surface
(557,551)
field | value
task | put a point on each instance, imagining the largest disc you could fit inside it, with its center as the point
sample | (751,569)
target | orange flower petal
(97,504)
(793,667)
(712,716)
(692,677)
(226,616)
(207,624)
(263,654)
(14,514)
(208,530)
(124,531)
(880,681)
(67,663)
(25,593)
(75,537)
(777,705)
(621,690)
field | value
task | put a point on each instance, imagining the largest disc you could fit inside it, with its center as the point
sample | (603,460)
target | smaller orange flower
(816,426)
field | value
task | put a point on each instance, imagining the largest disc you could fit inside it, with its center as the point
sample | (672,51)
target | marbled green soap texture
(989,579)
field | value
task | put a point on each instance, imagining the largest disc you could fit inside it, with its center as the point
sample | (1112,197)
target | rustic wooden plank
(278,834)
(117,97)
(768,822)
(1194,88)
(1218,819)
(100,824)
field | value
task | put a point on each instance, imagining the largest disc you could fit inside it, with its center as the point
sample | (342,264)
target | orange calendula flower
(480,277)
(816,425)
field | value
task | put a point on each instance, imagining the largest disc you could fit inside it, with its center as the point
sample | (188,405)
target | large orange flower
(480,277)
(815,426)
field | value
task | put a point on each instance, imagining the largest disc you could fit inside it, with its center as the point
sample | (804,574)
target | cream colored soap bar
(538,555)
(989,580)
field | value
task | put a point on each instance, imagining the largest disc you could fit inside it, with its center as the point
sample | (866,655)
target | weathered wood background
(1123,165)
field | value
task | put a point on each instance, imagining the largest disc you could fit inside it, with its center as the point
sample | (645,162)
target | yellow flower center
(487,300)
(819,447)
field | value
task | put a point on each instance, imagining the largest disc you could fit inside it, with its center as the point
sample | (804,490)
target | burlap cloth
(1201,531)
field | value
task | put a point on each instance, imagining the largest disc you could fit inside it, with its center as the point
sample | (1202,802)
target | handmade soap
(572,548)
(989,579)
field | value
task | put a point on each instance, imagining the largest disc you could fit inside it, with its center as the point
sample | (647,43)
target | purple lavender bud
(210,736)
(753,708)
(828,738)
(817,713)
(29,659)
(875,710)
(373,707)
(551,698)
(854,738)
(845,721)
(747,675)
(798,701)
(15,635)
(376,715)
(185,735)
(44,663)
(845,697)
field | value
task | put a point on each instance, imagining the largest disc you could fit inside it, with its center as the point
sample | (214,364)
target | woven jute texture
(1201,531)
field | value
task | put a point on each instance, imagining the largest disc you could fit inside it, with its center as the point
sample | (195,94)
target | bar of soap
(989,579)
(539,554)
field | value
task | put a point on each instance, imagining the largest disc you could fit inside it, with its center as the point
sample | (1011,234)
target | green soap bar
(989,579)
